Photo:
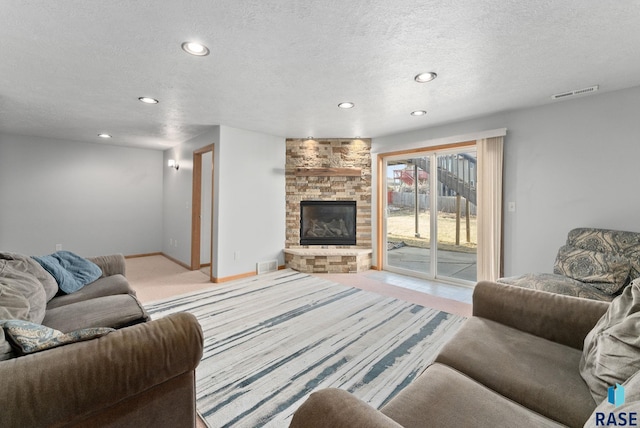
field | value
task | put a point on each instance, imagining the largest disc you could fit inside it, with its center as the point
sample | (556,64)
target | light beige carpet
(157,277)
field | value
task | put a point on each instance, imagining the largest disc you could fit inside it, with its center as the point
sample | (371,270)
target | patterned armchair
(594,264)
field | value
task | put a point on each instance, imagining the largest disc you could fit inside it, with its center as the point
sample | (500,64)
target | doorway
(430,214)
(202,210)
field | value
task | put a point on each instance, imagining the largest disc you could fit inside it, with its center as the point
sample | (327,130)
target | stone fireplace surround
(335,169)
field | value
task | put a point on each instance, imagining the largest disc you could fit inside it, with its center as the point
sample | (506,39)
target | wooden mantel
(328,172)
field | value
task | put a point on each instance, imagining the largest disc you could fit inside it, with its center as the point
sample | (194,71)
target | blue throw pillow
(71,271)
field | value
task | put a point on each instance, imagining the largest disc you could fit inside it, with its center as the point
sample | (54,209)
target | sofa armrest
(90,380)
(556,317)
(337,408)
(112,264)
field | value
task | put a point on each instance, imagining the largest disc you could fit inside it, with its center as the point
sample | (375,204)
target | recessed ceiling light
(346,105)
(148,100)
(103,135)
(425,77)
(418,113)
(195,48)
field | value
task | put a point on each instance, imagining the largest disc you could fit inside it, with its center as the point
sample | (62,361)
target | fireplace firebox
(328,223)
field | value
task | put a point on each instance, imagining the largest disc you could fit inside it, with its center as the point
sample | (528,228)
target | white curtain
(489,207)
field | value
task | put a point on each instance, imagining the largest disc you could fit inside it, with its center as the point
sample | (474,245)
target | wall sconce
(173,164)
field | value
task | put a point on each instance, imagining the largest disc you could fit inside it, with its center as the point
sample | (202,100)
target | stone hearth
(336,260)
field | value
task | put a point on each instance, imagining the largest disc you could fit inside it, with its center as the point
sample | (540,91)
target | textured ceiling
(74,68)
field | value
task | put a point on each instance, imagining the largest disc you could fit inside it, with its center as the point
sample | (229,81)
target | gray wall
(248,200)
(567,164)
(177,195)
(91,198)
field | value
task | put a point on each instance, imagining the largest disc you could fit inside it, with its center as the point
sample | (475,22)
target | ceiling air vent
(575,92)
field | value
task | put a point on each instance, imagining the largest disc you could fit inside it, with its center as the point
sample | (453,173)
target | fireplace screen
(328,223)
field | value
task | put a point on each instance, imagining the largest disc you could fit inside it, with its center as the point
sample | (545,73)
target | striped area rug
(272,339)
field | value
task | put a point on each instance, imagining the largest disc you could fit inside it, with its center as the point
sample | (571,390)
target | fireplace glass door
(327,223)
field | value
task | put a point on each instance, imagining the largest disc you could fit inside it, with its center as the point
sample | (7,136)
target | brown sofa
(515,362)
(141,375)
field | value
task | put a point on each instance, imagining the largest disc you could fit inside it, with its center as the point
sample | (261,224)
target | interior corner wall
(248,200)
(178,195)
(568,164)
(93,199)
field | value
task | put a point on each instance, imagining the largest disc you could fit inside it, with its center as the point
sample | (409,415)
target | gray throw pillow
(13,305)
(607,272)
(611,351)
(631,395)
(46,279)
(15,281)
(29,266)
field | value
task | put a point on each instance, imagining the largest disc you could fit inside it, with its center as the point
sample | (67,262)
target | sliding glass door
(457,238)
(408,225)
(430,215)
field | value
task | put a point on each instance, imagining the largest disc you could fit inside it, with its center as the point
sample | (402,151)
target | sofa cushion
(111,285)
(109,311)
(444,397)
(605,271)
(537,373)
(29,337)
(559,284)
(612,348)
(71,271)
(337,408)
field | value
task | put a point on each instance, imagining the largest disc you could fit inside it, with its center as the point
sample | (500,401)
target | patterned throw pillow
(609,241)
(606,271)
(29,337)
